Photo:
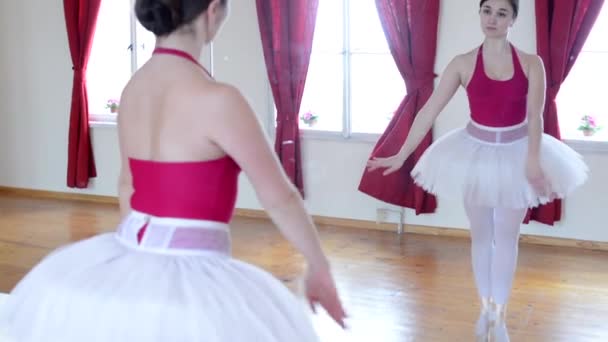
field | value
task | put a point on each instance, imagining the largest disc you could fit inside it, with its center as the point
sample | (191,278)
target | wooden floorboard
(395,288)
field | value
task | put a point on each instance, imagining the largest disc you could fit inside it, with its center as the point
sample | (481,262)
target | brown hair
(514,5)
(162,17)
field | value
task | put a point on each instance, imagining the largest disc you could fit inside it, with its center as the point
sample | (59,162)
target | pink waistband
(173,235)
(497,135)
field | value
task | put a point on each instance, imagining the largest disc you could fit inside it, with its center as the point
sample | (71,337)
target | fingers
(371,167)
(540,186)
(375,162)
(390,170)
(339,315)
(312,301)
(332,306)
(335,311)
(539,189)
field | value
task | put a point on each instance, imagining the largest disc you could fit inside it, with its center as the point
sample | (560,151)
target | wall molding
(435,231)
(322,220)
(58,195)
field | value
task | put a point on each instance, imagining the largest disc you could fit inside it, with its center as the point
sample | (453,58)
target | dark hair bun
(158,16)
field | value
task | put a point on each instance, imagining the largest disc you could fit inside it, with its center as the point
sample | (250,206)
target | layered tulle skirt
(487,166)
(172,281)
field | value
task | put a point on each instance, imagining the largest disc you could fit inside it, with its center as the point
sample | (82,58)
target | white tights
(494,249)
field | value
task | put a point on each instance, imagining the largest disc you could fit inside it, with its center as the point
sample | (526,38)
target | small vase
(113,109)
(588,132)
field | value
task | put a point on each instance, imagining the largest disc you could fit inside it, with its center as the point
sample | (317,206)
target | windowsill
(102,124)
(338,136)
(102,120)
(581,145)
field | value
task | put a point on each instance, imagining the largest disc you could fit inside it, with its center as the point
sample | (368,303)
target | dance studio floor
(395,288)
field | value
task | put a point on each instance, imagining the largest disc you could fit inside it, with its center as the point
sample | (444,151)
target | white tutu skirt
(486,166)
(112,288)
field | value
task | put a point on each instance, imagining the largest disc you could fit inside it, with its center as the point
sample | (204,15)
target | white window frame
(346,133)
(579,145)
(102,120)
(97,119)
(585,145)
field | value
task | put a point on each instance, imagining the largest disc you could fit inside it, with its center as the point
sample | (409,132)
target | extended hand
(391,164)
(320,288)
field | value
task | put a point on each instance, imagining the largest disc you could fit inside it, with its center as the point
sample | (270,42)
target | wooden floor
(395,288)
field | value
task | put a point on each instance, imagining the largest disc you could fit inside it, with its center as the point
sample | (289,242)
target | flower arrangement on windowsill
(112,105)
(309,118)
(588,126)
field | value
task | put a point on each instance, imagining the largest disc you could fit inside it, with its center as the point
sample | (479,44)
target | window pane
(323,92)
(329,27)
(597,38)
(366,32)
(109,66)
(377,89)
(583,93)
(145,44)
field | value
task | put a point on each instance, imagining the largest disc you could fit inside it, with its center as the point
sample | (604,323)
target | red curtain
(287,29)
(410,27)
(562,26)
(80,20)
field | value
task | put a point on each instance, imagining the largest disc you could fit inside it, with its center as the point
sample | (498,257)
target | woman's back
(167,110)
(175,170)
(167,273)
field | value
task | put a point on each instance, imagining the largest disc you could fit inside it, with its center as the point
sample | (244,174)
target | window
(584,90)
(353,85)
(120,46)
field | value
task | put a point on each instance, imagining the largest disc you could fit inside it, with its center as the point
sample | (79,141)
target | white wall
(36,89)
(34,92)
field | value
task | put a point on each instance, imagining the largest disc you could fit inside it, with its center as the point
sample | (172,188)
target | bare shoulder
(127,93)
(223,99)
(463,65)
(223,109)
(470,55)
(530,62)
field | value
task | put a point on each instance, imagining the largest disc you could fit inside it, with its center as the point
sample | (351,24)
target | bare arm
(125,186)
(536,105)
(449,83)
(240,135)
(238,132)
(423,122)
